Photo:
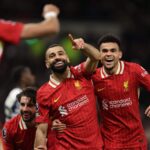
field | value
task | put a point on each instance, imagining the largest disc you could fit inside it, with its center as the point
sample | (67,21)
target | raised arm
(90,51)
(49,26)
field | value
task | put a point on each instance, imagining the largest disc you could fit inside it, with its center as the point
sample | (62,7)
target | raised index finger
(71,39)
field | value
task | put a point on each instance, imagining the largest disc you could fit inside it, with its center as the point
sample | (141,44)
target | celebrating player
(117,86)
(19,132)
(69,97)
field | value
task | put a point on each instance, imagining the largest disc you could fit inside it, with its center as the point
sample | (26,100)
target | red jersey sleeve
(43,107)
(10,31)
(79,70)
(7,137)
(143,77)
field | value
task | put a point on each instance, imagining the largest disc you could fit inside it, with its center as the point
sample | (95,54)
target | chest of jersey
(117,91)
(73,98)
(24,139)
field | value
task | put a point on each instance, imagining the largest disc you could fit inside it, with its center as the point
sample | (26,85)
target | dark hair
(54,45)
(28,92)
(109,38)
(17,73)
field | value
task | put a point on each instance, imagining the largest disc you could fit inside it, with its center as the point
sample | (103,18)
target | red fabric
(144,147)
(73,103)
(10,31)
(15,138)
(121,124)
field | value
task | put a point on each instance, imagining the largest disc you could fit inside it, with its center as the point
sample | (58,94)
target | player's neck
(60,76)
(30,124)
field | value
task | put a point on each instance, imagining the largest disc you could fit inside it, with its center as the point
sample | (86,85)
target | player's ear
(68,60)
(47,64)
(120,54)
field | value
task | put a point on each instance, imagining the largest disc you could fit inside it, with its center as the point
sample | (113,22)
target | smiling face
(57,59)
(110,56)
(27,109)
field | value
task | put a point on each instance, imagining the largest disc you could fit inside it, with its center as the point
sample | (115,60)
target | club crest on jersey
(126,85)
(77,84)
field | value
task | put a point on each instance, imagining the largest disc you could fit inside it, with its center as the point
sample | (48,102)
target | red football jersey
(10,31)
(117,94)
(73,103)
(16,135)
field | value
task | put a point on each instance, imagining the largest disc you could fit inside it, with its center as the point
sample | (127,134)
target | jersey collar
(53,83)
(120,70)
(22,124)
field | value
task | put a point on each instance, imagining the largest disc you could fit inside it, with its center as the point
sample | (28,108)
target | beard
(60,69)
(29,119)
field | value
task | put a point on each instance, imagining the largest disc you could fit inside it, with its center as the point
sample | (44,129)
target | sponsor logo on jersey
(77,103)
(82,100)
(114,104)
(105,105)
(63,111)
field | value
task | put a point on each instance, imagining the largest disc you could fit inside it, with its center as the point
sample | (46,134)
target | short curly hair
(28,92)
(109,38)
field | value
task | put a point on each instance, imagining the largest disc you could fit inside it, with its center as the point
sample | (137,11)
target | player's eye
(113,50)
(104,50)
(22,104)
(30,105)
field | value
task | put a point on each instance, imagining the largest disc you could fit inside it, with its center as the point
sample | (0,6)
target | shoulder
(44,89)
(97,73)
(12,123)
(132,66)
(10,127)
(44,92)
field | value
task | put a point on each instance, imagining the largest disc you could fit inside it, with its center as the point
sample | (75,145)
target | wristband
(50,14)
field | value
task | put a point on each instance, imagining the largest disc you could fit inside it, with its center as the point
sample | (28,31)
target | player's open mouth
(109,62)
(26,115)
(59,64)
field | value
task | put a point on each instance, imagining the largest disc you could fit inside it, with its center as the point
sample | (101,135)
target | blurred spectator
(22,78)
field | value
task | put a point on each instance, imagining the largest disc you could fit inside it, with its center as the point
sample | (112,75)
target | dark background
(129,19)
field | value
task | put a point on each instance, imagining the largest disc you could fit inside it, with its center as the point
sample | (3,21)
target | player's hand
(58,125)
(76,43)
(50,8)
(147,111)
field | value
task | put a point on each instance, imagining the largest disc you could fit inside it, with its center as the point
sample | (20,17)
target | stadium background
(88,19)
